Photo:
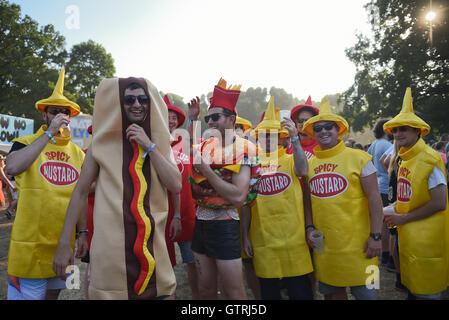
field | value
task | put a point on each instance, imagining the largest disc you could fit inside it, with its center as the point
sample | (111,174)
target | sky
(185,46)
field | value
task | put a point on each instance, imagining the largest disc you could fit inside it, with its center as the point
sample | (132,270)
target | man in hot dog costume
(224,177)
(181,214)
(46,166)
(132,161)
(421,211)
(346,207)
(276,221)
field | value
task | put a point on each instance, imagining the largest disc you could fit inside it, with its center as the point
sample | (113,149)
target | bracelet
(50,137)
(295,139)
(83,232)
(310,227)
(177,217)
(150,148)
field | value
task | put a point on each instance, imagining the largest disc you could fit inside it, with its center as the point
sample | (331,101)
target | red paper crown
(181,114)
(225,97)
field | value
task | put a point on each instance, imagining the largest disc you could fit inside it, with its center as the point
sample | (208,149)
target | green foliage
(30,61)
(400,55)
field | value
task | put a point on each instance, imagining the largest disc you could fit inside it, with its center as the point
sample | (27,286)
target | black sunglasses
(301,120)
(396,129)
(326,126)
(214,117)
(55,111)
(130,100)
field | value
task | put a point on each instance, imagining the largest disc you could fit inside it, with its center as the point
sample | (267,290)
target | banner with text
(13,127)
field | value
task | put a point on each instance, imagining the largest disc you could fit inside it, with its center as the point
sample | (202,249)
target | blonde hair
(394,165)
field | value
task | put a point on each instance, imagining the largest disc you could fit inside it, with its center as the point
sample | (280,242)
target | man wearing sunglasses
(220,180)
(46,167)
(300,114)
(421,211)
(346,208)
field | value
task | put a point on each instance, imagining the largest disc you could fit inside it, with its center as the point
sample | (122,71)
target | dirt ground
(387,290)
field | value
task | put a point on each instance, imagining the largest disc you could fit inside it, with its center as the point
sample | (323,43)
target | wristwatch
(376,236)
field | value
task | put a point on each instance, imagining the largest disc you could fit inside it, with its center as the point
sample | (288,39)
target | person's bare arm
(371,191)
(299,156)
(77,207)
(308,216)
(175,225)
(167,171)
(20,160)
(246,222)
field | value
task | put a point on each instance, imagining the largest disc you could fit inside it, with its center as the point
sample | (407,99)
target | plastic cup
(65,130)
(317,239)
(387,212)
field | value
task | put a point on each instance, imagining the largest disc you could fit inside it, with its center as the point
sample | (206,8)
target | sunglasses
(402,129)
(301,120)
(327,127)
(130,100)
(58,110)
(214,117)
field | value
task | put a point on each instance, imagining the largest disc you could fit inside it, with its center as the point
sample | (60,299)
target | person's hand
(82,246)
(248,247)
(290,126)
(310,242)
(136,133)
(175,229)
(199,163)
(372,247)
(63,258)
(194,108)
(392,220)
(57,122)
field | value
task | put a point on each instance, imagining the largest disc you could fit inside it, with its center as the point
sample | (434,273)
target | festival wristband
(177,217)
(310,227)
(150,148)
(50,137)
(295,139)
(83,232)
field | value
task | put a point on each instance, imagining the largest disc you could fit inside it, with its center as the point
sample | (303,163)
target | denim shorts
(359,292)
(217,239)
(186,251)
(33,289)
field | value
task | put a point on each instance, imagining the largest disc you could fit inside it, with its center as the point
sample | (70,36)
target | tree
(400,55)
(29,56)
(88,64)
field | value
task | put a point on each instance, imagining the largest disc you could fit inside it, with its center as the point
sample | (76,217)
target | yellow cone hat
(407,117)
(271,121)
(326,115)
(246,124)
(58,99)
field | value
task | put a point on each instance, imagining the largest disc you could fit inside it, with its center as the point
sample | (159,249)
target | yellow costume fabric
(44,192)
(340,212)
(424,244)
(277,229)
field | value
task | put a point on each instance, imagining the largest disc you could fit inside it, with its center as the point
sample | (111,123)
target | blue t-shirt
(377,149)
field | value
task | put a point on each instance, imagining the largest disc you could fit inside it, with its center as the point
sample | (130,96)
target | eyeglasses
(301,120)
(214,117)
(326,126)
(402,129)
(130,100)
(55,111)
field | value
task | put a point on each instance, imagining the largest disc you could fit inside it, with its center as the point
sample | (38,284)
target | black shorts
(217,239)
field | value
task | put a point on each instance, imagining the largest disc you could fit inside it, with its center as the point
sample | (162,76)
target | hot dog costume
(225,161)
(277,230)
(128,256)
(44,192)
(424,243)
(339,207)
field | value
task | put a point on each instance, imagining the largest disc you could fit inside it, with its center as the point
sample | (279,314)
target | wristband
(295,139)
(83,232)
(150,148)
(310,227)
(50,137)
(177,217)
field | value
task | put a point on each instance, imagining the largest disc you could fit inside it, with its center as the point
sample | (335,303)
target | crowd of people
(286,204)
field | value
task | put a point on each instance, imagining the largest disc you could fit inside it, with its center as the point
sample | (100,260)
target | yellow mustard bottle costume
(340,212)
(44,192)
(277,230)
(424,243)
